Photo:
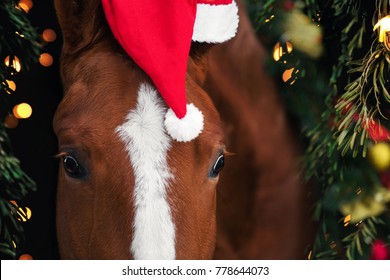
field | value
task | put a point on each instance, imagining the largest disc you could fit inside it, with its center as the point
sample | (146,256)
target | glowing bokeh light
(25,5)
(15,63)
(22,111)
(25,257)
(24,214)
(384,27)
(11,85)
(279,51)
(347,220)
(49,35)
(287,74)
(11,121)
(46,60)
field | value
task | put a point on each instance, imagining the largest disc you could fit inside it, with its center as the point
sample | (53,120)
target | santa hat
(157,35)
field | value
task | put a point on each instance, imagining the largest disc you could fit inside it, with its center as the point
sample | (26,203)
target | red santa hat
(157,35)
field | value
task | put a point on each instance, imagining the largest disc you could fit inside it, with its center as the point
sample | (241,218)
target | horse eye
(217,167)
(72,167)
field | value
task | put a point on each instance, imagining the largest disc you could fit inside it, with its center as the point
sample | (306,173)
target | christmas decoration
(385,179)
(380,251)
(161,35)
(336,86)
(19,47)
(377,132)
(25,257)
(366,205)
(303,33)
(384,27)
(379,155)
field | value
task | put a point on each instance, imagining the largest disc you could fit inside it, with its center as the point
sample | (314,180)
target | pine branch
(15,185)
(361,103)
(17,39)
(364,235)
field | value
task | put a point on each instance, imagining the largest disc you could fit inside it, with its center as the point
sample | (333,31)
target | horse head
(126,189)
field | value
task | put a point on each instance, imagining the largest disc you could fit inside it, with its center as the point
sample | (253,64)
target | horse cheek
(73,223)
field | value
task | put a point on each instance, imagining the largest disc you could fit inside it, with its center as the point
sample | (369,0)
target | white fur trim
(187,128)
(215,23)
(147,145)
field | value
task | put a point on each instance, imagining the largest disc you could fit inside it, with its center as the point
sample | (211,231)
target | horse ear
(80,22)
(199,50)
(199,60)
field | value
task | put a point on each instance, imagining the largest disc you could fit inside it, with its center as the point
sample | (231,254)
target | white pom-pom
(187,128)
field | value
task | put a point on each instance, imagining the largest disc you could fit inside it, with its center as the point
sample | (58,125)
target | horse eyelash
(60,155)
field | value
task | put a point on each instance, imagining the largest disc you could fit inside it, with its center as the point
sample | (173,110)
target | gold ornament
(365,207)
(303,33)
(379,156)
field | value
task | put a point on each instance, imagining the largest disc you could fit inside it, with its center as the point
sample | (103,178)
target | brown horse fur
(258,202)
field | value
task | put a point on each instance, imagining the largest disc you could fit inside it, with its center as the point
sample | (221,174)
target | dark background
(34,142)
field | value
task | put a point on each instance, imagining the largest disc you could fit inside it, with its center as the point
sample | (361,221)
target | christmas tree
(19,47)
(331,60)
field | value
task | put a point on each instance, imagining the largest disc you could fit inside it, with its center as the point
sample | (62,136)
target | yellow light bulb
(22,111)
(384,26)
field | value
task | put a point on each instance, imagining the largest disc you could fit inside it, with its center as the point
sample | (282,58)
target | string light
(49,35)
(20,35)
(347,220)
(22,111)
(279,50)
(270,18)
(287,74)
(15,63)
(46,60)
(24,214)
(11,121)
(384,26)
(25,5)
(11,85)
(25,257)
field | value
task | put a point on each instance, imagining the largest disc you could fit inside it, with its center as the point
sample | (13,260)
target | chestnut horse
(126,190)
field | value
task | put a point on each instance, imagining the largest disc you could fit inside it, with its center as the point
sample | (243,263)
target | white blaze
(147,144)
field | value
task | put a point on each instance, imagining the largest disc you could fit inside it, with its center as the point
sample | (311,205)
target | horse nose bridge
(147,146)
